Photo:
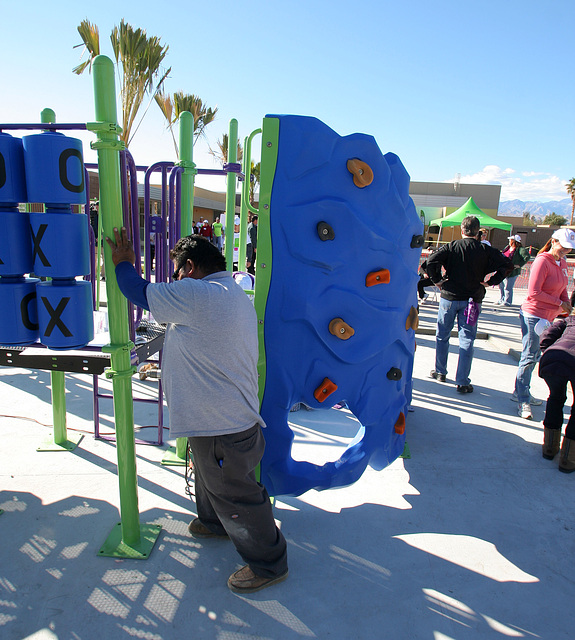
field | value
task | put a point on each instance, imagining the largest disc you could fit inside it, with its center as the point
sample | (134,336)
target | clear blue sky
(483,89)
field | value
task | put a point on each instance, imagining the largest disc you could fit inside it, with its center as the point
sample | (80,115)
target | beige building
(439,199)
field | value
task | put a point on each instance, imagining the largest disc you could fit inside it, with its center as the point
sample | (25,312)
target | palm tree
(172,106)
(138,57)
(570,186)
(221,153)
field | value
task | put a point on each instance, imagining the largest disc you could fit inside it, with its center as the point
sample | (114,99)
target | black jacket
(467,262)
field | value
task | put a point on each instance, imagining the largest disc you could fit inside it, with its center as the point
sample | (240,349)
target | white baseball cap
(516,237)
(565,237)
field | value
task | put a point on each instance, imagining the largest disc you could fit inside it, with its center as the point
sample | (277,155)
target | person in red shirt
(206,231)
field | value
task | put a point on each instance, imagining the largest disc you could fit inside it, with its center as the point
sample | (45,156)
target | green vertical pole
(187,203)
(57,378)
(188,176)
(59,440)
(231,194)
(125,542)
(270,143)
(58,384)
(48,116)
(245,203)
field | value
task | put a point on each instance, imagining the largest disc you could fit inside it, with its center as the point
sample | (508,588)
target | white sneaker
(524,411)
(534,401)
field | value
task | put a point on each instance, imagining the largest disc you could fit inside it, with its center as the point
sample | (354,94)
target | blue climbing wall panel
(339,317)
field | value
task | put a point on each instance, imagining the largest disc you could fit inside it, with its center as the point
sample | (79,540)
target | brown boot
(567,457)
(551,442)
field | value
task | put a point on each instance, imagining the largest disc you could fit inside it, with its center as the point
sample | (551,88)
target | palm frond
(91,42)
(140,58)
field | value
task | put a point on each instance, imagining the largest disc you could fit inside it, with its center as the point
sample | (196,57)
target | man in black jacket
(466,263)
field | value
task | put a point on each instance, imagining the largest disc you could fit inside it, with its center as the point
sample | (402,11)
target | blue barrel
(18,312)
(12,174)
(54,168)
(60,244)
(65,313)
(15,246)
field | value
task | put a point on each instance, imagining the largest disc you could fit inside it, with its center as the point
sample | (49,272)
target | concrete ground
(471,537)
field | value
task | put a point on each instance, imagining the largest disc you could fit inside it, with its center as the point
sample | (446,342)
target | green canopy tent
(469,209)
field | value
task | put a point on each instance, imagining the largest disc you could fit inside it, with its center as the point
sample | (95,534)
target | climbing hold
(361,171)
(399,426)
(394,374)
(324,231)
(325,389)
(417,242)
(340,329)
(377,277)
(412,321)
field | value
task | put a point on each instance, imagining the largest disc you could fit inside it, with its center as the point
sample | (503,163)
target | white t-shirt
(209,365)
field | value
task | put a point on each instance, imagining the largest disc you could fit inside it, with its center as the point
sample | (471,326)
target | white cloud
(529,185)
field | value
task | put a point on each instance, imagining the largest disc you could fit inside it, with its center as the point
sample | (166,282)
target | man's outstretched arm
(131,284)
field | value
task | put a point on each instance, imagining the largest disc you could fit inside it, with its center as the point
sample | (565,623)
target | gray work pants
(230,500)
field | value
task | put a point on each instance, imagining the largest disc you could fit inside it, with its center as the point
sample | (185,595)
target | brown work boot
(567,457)
(551,443)
(245,581)
(199,530)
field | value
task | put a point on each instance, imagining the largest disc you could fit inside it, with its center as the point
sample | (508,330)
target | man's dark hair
(254,218)
(201,252)
(470,226)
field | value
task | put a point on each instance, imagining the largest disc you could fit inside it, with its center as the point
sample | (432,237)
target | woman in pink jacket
(546,297)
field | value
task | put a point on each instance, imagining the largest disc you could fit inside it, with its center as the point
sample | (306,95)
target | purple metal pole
(161,272)
(175,205)
(178,216)
(126,221)
(96,406)
(44,126)
(135,222)
(160,404)
(171,214)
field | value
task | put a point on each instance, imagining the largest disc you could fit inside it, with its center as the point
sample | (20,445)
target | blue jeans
(529,357)
(448,311)
(506,288)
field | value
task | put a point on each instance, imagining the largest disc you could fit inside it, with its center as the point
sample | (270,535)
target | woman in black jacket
(557,368)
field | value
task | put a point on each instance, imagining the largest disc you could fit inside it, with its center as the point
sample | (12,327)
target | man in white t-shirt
(210,351)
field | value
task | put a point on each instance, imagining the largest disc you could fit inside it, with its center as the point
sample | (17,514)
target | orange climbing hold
(399,425)
(412,321)
(377,277)
(325,389)
(361,171)
(340,329)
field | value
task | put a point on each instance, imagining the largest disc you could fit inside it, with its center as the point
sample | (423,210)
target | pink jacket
(547,287)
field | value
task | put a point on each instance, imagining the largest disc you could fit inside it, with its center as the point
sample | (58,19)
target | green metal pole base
(68,445)
(114,547)
(172,459)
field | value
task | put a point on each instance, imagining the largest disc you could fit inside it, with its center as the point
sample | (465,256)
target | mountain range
(537,209)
